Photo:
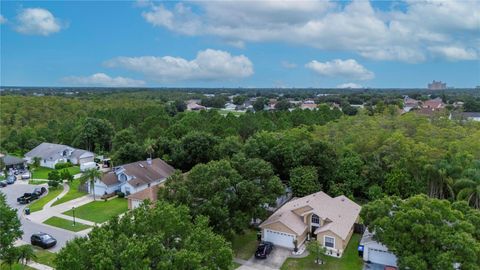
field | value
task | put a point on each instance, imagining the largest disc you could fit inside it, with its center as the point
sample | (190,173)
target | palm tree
(468,190)
(90,176)
(25,253)
(150,146)
(439,183)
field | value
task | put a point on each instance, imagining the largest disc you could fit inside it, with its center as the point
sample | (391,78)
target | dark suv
(263,250)
(43,240)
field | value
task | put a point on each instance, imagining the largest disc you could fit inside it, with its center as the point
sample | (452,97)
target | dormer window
(315,219)
(123,177)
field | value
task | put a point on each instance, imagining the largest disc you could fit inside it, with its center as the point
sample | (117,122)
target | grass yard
(44,256)
(42,172)
(100,211)
(350,260)
(72,194)
(244,245)
(37,182)
(37,205)
(66,224)
(16,266)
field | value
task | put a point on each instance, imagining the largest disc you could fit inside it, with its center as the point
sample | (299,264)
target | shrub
(63,165)
(54,175)
(53,184)
(121,194)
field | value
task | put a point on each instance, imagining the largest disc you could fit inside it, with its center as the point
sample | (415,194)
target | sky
(282,43)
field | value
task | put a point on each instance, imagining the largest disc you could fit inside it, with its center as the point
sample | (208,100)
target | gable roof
(53,151)
(11,160)
(140,172)
(341,211)
(150,193)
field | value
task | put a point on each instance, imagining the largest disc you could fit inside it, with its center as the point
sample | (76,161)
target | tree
(162,237)
(54,176)
(123,137)
(150,146)
(9,230)
(94,133)
(66,175)
(426,233)
(195,148)
(259,104)
(282,105)
(127,153)
(468,190)
(239,100)
(304,181)
(90,176)
(317,250)
(36,162)
(230,195)
(25,253)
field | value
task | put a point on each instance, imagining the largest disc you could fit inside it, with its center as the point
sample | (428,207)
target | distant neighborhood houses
(51,154)
(132,177)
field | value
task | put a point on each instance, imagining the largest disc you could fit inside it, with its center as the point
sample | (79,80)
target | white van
(87,165)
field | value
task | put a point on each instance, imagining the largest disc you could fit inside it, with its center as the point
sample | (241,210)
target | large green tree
(9,229)
(229,197)
(162,237)
(426,233)
(94,134)
(304,181)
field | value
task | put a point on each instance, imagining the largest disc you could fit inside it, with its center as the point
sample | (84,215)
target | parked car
(43,240)
(26,175)
(11,179)
(263,250)
(28,197)
(3,183)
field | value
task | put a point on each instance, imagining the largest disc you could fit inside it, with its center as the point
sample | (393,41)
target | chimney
(149,161)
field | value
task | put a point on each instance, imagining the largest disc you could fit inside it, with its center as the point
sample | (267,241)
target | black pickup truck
(28,197)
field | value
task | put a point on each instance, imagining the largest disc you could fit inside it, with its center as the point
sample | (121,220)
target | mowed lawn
(244,245)
(66,224)
(38,205)
(43,257)
(72,194)
(100,211)
(350,260)
(42,172)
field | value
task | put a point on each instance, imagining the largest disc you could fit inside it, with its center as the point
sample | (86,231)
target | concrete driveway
(29,227)
(274,261)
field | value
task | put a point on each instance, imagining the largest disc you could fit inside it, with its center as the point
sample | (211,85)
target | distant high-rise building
(437,85)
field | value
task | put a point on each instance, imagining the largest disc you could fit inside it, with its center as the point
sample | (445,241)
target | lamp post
(73,212)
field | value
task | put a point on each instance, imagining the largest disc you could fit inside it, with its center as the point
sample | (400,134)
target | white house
(133,177)
(375,252)
(51,154)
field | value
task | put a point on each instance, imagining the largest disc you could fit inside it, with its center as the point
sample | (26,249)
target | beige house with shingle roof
(329,220)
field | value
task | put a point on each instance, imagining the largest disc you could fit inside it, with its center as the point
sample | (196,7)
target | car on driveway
(263,250)
(25,175)
(28,197)
(3,183)
(43,240)
(11,179)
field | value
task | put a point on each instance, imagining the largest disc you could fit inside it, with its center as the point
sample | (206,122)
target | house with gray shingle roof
(52,153)
(133,177)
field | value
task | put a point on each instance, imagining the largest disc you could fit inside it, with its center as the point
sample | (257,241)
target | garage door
(279,238)
(382,257)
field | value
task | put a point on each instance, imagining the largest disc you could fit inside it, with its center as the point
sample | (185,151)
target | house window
(329,242)
(315,219)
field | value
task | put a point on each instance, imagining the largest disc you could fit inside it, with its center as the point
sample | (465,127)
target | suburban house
(51,154)
(318,216)
(133,177)
(136,199)
(375,252)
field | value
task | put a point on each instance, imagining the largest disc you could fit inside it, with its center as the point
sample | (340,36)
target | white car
(26,175)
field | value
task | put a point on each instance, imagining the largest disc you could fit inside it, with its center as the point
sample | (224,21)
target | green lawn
(42,172)
(244,245)
(350,260)
(66,224)
(72,194)
(36,182)
(37,205)
(44,256)
(100,211)
(16,266)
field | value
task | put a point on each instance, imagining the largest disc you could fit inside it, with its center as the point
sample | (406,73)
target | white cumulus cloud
(349,68)
(349,85)
(102,79)
(455,53)
(207,65)
(37,21)
(400,33)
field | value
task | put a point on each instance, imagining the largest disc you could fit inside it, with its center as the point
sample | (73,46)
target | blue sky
(240,43)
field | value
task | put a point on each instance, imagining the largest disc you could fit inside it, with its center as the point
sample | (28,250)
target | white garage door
(382,257)
(279,238)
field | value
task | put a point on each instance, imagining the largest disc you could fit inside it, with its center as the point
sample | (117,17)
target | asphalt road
(16,190)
